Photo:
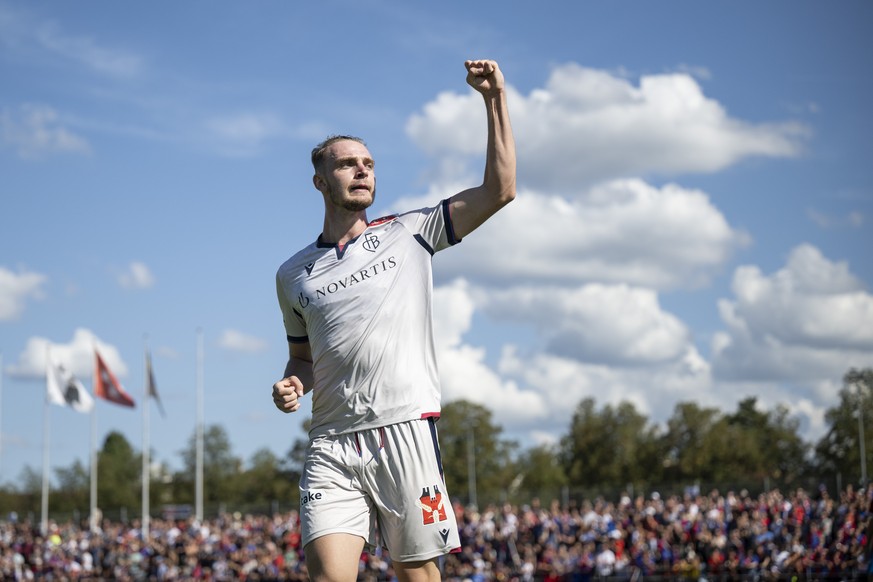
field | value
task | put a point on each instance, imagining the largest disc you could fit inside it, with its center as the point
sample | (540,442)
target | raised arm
(472,207)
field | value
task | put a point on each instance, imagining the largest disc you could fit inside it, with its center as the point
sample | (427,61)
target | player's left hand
(484,76)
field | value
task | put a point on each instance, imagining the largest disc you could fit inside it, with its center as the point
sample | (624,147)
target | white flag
(64,389)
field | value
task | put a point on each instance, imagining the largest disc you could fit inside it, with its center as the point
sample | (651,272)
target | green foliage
(292,462)
(74,489)
(265,481)
(614,446)
(684,456)
(539,473)
(118,474)
(470,440)
(221,469)
(839,451)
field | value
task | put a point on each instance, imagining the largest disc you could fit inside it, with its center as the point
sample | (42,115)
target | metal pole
(199,436)
(861,438)
(471,466)
(145,443)
(1,412)
(45,468)
(93,518)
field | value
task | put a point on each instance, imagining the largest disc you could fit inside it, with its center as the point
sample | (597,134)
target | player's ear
(318,182)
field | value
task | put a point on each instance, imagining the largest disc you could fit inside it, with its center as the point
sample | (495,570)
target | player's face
(348,177)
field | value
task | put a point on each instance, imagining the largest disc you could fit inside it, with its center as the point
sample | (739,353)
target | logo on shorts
(309,496)
(444,533)
(432,507)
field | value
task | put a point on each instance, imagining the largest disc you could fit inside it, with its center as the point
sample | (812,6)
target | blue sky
(693,219)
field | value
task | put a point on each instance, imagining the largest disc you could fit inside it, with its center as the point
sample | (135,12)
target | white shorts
(386,479)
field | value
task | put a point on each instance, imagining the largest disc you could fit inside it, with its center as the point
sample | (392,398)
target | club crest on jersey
(371,242)
(433,508)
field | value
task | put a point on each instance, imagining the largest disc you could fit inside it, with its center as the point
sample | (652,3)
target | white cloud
(589,125)
(22,33)
(647,360)
(16,289)
(244,134)
(237,341)
(35,130)
(453,308)
(531,390)
(137,276)
(595,323)
(696,71)
(464,374)
(810,321)
(791,336)
(624,231)
(654,390)
(854,219)
(87,51)
(77,356)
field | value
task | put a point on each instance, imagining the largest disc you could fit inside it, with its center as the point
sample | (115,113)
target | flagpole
(1,413)
(45,449)
(93,517)
(145,443)
(199,429)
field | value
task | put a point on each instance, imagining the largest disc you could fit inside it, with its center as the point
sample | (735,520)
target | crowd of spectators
(716,536)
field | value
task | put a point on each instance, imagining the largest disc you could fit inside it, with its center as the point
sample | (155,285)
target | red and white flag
(107,386)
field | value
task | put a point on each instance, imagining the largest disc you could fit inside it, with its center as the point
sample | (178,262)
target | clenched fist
(287,393)
(484,76)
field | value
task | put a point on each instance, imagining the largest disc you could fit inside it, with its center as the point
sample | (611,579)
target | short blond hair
(318,151)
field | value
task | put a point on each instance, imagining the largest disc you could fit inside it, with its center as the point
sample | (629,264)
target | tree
(291,465)
(74,487)
(221,469)
(265,482)
(839,451)
(615,446)
(468,438)
(293,460)
(685,457)
(118,475)
(702,444)
(773,442)
(29,491)
(540,472)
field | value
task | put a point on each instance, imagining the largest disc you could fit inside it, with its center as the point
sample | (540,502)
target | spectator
(717,536)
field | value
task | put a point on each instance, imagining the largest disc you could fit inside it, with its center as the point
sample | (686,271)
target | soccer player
(357,311)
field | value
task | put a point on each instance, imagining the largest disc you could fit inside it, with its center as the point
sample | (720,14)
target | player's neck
(341,227)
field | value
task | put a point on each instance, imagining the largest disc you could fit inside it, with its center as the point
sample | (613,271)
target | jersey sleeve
(295,326)
(431,226)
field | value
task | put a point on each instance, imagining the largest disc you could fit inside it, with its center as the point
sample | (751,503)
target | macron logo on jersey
(309,268)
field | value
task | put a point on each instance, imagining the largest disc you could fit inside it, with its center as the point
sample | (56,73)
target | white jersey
(366,312)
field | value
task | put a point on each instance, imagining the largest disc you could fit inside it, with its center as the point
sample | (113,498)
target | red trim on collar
(382,220)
